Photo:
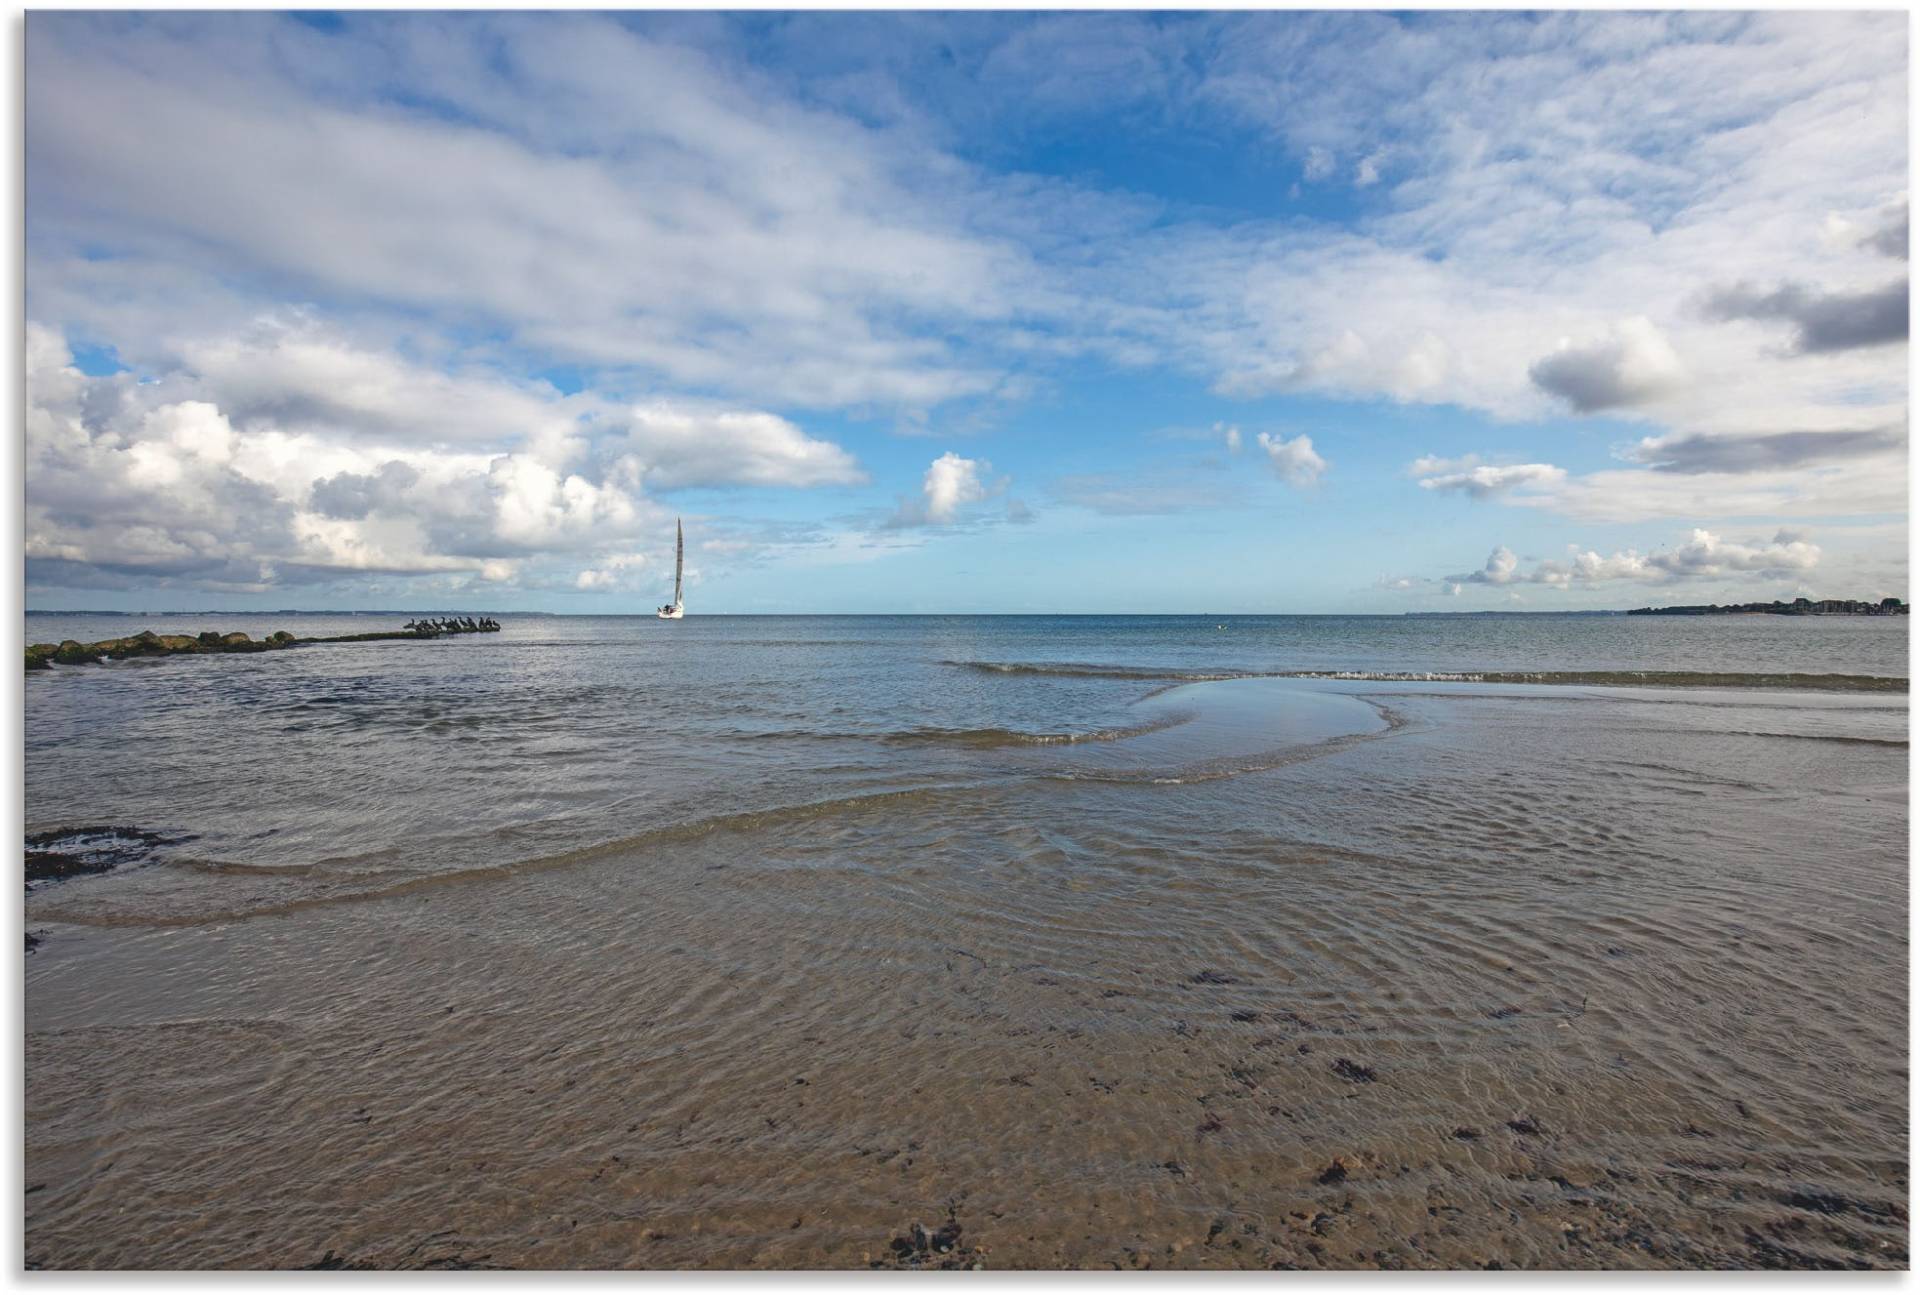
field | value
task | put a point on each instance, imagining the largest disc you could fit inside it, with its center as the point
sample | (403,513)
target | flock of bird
(454,625)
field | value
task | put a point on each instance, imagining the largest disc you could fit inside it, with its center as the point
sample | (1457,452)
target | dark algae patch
(331,1262)
(80,851)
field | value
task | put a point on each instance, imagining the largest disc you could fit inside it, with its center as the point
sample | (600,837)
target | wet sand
(1425,977)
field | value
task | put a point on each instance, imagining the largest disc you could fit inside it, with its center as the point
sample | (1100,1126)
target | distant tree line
(1798,607)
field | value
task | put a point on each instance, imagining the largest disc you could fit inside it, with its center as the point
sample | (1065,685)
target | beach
(977,942)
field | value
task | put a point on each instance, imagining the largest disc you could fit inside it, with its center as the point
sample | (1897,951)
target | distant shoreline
(1783,609)
(1798,607)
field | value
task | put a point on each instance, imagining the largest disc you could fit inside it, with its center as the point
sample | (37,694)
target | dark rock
(1213,978)
(1526,1125)
(1353,1071)
(939,1248)
(1333,1173)
(148,643)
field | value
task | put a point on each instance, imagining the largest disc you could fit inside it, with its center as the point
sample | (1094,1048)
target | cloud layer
(1823,321)
(1702,555)
(235,483)
(460,297)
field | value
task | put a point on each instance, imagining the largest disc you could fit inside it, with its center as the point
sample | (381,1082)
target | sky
(965,312)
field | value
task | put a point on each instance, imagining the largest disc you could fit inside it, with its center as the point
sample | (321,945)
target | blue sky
(1198,312)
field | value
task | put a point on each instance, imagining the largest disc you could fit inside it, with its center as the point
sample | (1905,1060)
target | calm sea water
(760,940)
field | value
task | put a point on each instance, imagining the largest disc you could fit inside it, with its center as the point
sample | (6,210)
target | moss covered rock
(147,643)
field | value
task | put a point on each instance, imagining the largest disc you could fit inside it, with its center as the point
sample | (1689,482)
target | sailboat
(676,609)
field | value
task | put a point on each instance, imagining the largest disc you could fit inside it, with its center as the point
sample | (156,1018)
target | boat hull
(671,613)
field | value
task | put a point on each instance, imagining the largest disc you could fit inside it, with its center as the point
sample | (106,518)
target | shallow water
(756,941)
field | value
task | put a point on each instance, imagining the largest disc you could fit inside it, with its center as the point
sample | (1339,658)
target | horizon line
(644,615)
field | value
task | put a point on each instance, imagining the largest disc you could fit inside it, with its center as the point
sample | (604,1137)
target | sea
(976,941)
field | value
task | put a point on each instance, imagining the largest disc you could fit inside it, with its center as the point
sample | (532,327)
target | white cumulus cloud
(1633,363)
(677,443)
(615,571)
(950,484)
(1487,479)
(207,481)
(1294,460)
(1702,555)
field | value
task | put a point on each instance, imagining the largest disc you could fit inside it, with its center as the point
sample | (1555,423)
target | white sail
(676,609)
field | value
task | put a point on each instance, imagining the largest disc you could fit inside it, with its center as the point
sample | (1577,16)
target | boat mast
(679,558)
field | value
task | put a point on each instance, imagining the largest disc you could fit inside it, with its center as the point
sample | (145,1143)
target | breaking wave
(1588,678)
(999,737)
